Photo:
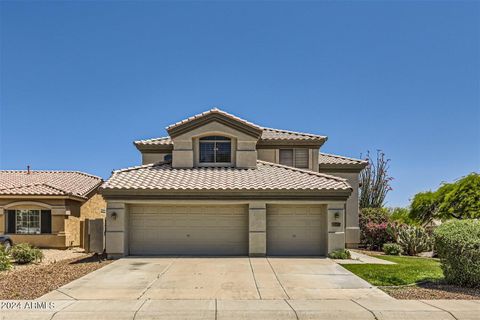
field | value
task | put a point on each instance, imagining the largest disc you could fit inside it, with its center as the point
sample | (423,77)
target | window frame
(222,140)
(29,212)
(294,159)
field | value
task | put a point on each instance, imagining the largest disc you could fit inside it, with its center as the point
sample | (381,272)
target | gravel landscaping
(34,280)
(432,291)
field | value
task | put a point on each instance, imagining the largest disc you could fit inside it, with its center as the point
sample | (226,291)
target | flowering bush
(374,224)
(375,235)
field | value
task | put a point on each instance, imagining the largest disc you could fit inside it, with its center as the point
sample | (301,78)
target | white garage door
(296,230)
(188,230)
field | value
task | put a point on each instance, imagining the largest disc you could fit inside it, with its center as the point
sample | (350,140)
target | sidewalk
(359,309)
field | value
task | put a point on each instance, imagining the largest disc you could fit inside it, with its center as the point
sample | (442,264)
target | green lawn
(408,270)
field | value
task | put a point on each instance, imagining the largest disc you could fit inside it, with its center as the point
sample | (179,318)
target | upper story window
(295,157)
(215,149)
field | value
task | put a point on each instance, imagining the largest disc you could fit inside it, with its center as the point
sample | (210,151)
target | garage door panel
(188,230)
(296,230)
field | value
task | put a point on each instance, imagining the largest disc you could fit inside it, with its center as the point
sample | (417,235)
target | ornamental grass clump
(24,253)
(458,246)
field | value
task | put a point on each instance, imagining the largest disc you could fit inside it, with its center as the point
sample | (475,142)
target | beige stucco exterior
(328,224)
(185,146)
(67,215)
(119,213)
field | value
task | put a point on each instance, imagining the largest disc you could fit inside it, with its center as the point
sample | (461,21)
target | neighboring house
(46,208)
(220,185)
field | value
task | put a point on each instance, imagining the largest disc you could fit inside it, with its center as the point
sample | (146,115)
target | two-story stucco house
(220,185)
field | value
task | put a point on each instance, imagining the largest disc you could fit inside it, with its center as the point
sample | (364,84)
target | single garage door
(188,230)
(294,230)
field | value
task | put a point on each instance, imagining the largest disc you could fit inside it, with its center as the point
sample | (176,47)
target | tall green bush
(458,246)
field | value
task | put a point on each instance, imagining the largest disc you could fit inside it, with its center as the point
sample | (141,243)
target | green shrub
(413,240)
(458,246)
(392,249)
(340,254)
(5,259)
(24,253)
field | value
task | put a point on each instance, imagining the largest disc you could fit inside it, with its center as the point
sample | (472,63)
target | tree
(375,182)
(460,200)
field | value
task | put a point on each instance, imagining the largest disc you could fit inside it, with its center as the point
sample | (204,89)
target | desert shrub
(5,259)
(373,227)
(458,246)
(375,235)
(412,239)
(24,253)
(392,249)
(340,254)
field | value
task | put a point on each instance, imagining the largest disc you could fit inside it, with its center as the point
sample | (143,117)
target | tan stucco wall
(272,155)
(117,227)
(66,218)
(185,146)
(352,233)
(148,158)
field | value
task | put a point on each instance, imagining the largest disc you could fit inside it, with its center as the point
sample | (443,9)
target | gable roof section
(214,115)
(47,183)
(269,137)
(161,178)
(332,162)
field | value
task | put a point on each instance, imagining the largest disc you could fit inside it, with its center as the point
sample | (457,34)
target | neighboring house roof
(267,177)
(332,161)
(47,183)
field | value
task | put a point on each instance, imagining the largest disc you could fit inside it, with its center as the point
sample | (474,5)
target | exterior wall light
(113,215)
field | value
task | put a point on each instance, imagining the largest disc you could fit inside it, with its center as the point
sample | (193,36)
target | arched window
(215,149)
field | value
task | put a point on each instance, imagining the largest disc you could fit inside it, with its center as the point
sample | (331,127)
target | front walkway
(358,309)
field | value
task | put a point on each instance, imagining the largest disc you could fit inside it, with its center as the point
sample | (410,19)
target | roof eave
(339,194)
(37,196)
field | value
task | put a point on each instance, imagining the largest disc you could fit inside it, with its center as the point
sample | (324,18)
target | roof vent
(28,169)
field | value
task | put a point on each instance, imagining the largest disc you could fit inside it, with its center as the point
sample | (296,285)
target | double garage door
(223,230)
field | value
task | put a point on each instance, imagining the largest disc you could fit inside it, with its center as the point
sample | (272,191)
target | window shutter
(46,221)
(286,157)
(301,158)
(10,223)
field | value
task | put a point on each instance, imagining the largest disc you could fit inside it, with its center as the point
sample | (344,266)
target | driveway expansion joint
(157,278)
(440,309)
(135,314)
(254,278)
(276,276)
(361,306)
(294,311)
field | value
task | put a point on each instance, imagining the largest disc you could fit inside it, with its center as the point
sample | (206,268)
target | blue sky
(81,80)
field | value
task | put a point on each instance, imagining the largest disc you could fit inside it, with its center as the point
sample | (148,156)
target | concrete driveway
(234,278)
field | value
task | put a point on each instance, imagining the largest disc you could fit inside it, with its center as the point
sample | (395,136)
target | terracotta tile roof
(54,183)
(266,177)
(332,159)
(277,134)
(162,141)
(211,111)
(268,134)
